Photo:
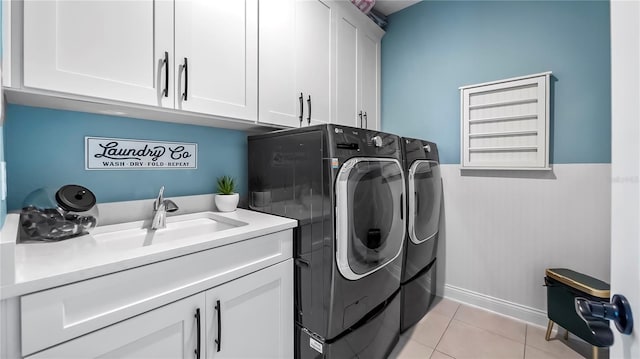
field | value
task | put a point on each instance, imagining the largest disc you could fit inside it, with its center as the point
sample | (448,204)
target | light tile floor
(453,330)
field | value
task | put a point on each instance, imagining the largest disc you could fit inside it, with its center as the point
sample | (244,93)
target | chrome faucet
(160,208)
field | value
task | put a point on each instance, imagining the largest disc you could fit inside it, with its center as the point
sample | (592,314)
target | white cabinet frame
(505,124)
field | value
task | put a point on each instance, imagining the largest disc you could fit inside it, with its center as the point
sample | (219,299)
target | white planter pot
(226,202)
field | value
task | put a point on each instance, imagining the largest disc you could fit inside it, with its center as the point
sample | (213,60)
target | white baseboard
(496,305)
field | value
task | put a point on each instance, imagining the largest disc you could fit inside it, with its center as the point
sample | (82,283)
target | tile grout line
(445,330)
(491,331)
(526,331)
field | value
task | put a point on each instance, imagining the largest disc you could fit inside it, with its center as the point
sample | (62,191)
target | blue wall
(432,48)
(45,147)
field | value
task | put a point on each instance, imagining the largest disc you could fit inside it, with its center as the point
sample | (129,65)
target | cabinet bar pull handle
(186,79)
(165,92)
(197,351)
(360,116)
(301,109)
(219,314)
(366,122)
(309,105)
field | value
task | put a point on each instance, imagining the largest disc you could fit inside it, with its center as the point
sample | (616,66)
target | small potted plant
(226,199)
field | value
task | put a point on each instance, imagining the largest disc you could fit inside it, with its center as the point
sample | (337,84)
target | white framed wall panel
(501,230)
(505,124)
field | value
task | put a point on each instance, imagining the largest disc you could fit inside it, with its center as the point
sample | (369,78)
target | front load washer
(424,197)
(345,186)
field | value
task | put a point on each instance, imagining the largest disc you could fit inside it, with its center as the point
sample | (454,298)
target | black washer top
(75,198)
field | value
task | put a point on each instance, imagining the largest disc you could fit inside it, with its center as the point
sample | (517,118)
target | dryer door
(370,223)
(425,195)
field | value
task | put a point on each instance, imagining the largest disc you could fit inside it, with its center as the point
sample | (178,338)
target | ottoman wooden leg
(595,352)
(549,329)
(566,334)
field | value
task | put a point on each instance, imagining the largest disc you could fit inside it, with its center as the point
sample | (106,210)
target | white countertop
(43,265)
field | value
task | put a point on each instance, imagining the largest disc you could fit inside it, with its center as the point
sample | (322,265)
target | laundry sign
(103,153)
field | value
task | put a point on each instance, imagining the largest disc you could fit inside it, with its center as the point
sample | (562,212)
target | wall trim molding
(497,305)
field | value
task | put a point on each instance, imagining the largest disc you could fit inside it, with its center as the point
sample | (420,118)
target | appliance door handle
(401,208)
(218,310)
(185,66)
(417,203)
(197,351)
(360,116)
(165,62)
(309,105)
(366,123)
(301,109)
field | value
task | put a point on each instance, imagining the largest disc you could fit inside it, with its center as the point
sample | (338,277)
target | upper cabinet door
(296,62)
(357,94)
(369,47)
(105,49)
(278,104)
(216,57)
(347,73)
(314,56)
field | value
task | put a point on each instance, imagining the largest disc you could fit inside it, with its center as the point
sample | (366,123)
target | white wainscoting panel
(501,230)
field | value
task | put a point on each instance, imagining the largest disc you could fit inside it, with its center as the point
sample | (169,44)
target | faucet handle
(170,206)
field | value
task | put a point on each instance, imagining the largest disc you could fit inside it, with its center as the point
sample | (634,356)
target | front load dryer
(424,197)
(345,186)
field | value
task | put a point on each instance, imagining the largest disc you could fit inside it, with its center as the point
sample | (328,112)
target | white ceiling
(388,7)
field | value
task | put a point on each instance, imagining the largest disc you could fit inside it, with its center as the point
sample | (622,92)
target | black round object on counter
(75,198)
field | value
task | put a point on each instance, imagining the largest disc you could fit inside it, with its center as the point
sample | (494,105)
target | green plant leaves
(226,185)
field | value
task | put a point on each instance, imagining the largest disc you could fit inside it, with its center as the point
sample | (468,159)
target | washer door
(425,195)
(370,224)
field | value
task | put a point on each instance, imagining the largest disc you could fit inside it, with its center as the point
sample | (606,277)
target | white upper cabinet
(357,94)
(314,55)
(369,71)
(216,58)
(278,103)
(347,102)
(296,62)
(105,49)
(204,61)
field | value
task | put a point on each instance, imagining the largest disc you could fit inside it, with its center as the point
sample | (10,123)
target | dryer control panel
(415,149)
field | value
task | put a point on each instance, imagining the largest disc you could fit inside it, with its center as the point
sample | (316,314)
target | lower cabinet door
(170,331)
(252,317)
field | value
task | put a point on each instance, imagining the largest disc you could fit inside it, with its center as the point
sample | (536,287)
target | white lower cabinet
(252,317)
(167,332)
(249,317)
